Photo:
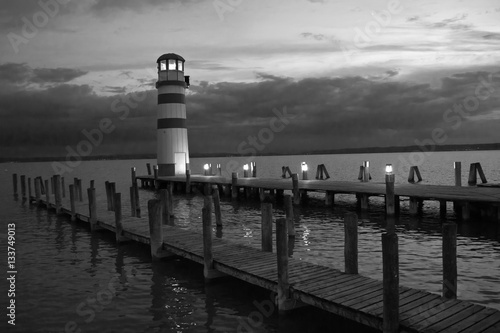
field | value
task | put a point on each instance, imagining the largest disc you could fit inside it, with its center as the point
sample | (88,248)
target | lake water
(69,280)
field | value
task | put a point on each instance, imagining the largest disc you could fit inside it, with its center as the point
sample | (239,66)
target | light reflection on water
(62,265)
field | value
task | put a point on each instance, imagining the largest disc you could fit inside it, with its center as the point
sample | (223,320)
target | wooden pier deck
(351,296)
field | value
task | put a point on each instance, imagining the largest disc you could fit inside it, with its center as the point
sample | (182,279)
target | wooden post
(108,199)
(363,201)
(148,166)
(390,208)
(450,260)
(413,206)
(63,188)
(112,191)
(267,226)
(42,187)
(390,262)
(37,190)
(479,169)
(466,211)
(283,297)
(254,169)
(137,201)
(366,171)
(52,185)
(295,185)
(23,186)
(188,181)
(234,187)
(458,173)
(216,198)
(133,176)
(47,193)
(80,190)
(417,173)
(472,175)
(289,215)
(14,183)
(411,175)
(208,262)
(155,209)
(329,198)
(118,218)
(29,189)
(72,201)
(326,172)
(93,209)
(442,208)
(166,209)
(57,193)
(132,201)
(360,174)
(351,243)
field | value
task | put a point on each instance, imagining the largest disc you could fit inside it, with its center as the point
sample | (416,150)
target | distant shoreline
(367,150)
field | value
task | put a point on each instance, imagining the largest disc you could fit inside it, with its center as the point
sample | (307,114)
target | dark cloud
(13,13)
(323,113)
(110,6)
(495,36)
(22,74)
(115,90)
(453,23)
(58,75)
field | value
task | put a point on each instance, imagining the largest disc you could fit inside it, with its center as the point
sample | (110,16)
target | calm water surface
(69,279)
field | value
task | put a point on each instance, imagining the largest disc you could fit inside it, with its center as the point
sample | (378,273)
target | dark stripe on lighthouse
(171,98)
(171,123)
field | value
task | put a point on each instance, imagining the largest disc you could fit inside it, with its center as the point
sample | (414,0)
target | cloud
(115,90)
(309,35)
(58,75)
(22,74)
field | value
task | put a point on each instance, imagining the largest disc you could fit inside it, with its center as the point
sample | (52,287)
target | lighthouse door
(180,163)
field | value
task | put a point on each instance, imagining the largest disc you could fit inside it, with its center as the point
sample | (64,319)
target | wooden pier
(383,305)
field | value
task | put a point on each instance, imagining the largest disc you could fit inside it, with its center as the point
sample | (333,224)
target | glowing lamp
(388,169)
(245,167)
(304,166)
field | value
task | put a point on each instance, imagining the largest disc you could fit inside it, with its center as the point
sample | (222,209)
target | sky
(266,76)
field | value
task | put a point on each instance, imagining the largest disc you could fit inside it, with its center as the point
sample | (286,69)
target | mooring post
(41,185)
(363,201)
(208,262)
(479,169)
(351,243)
(47,194)
(57,193)
(466,211)
(14,183)
(136,201)
(442,208)
(29,189)
(93,209)
(108,199)
(155,208)
(80,190)
(234,186)
(188,181)
(216,198)
(472,175)
(165,211)
(52,185)
(92,182)
(118,218)
(132,201)
(411,175)
(72,201)
(366,171)
(413,206)
(295,190)
(289,215)
(155,175)
(63,188)
(23,186)
(37,190)
(112,191)
(449,260)
(329,198)
(390,178)
(148,166)
(283,297)
(133,176)
(267,226)
(390,262)
(304,169)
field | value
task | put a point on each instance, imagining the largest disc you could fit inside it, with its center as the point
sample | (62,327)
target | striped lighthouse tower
(172,150)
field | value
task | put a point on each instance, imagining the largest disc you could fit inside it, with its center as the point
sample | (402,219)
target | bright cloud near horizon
(351,73)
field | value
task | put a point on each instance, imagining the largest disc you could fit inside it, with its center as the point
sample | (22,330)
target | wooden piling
(472,175)
(234,187)
(118,218)
(57,193)
(466,211)
(72,201)
(37,190)
(413,206)
(254,169)
(155,208)
(449,260)
(390,207)
(327,176)
(366,171)
(42,187)
(329,198)
(417,173)
(137,201)
(216,198)
(289,215)
(351,243)
(458,173)
(390,263)
(363,201)
(188,181)
(93,209)
(63,188)
(267,226)
(14,183)
(23,186)
(479,169)
(133,176)
(80,189)
(108,193)
(112,191)
(283,297)
(52,185)
(47,193)
(29,189)
(132,201)
(442,208)
(295,186)
(148,166)
(208,262)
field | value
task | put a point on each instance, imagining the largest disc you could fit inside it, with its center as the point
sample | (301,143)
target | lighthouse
(172,147)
